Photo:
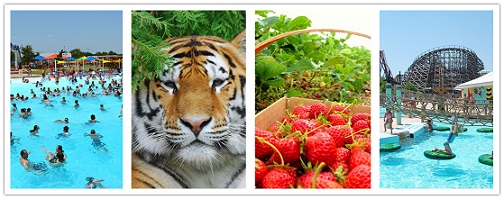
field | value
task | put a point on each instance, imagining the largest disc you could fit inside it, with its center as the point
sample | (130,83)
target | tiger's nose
(195,125)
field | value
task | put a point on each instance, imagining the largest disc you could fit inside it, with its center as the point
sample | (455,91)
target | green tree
(28,55)
(149,29)
(410,86)
(76,53)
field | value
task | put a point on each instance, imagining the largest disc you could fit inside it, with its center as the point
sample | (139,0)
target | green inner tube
(463,129)
(438,155)
(485,159)
(485,130)
(441,128)
(390,147)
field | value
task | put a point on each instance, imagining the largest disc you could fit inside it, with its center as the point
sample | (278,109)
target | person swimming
(28,165)
(93,183)
(34,131)
(62,121)
(97,143)
(93,119)
(65,133)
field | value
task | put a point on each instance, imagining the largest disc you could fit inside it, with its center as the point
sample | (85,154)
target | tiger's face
(194,112)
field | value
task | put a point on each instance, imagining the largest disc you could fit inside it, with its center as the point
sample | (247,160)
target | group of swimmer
(58,157)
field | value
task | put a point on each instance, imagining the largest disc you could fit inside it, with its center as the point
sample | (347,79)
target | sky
(52,31)
(405,35)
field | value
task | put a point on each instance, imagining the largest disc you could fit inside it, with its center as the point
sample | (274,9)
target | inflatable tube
(463,129)
(441,128)
(389,147)
(438,155)
(485,130)
(485,159)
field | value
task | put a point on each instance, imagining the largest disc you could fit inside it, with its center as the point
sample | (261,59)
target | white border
(250,8)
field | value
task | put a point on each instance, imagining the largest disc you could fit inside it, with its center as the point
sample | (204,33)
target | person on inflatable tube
(451,138)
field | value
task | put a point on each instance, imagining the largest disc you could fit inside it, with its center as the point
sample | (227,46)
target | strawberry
(360,116)
(359,177)
(324,180)
(307,74)
(278,179)
(366,142)
(302,126)
(337,134)
(318,109)
(339,109)
(260,171)
(343,155)
(318,95)
(301,111)
(263,150)
(336,119)
(359,157)
(360,126)
(289,149)
(320,148)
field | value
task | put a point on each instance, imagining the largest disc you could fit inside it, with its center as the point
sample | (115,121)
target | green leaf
(275,82)
(347,85)
(267,22)
(346,51)
(300,66)
(299,23)
(333,61)
(295,93)
(284,57)
(268,67)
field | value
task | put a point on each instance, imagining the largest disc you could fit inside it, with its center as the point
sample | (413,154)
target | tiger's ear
(239,41)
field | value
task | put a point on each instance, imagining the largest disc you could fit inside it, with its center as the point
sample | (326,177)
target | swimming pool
(409,168)
(83,160)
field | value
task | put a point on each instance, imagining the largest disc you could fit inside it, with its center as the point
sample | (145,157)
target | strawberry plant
(315,146)
(315,66)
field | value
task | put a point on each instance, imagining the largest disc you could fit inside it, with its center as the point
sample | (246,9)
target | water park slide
(17,55)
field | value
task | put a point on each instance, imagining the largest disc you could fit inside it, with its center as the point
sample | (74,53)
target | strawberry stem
(317,171)
(262,140)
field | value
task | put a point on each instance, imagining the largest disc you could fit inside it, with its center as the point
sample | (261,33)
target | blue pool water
(83,159)
(409,168)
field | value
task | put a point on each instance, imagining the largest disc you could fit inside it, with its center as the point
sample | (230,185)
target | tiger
(188,123)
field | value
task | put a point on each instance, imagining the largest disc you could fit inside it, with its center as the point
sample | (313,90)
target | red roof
(53,56)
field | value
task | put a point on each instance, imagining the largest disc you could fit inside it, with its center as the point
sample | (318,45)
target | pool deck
(410,127)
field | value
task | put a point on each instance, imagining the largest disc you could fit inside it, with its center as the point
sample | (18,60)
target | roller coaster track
(386,70)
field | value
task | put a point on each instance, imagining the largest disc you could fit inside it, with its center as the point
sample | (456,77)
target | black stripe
(210,45)
(230,61)
(236,174)
(203,52)
(181,55)
(139,104)
(161,166)
(222,69)
(239,110)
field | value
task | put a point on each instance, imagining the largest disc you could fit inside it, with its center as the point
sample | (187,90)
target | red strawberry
(324,180)
(359,157)
(301,111)
(302,126)
(263,150)
(360,124)
(366,142)
(278,179)
(320,148)
(337,134)
(338,109)
(336,119)
(359,177)
(343,155)
(318,95)
(260,171)
(274,128)
(307,74)
(360,116)
(289,149)
(318,109)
